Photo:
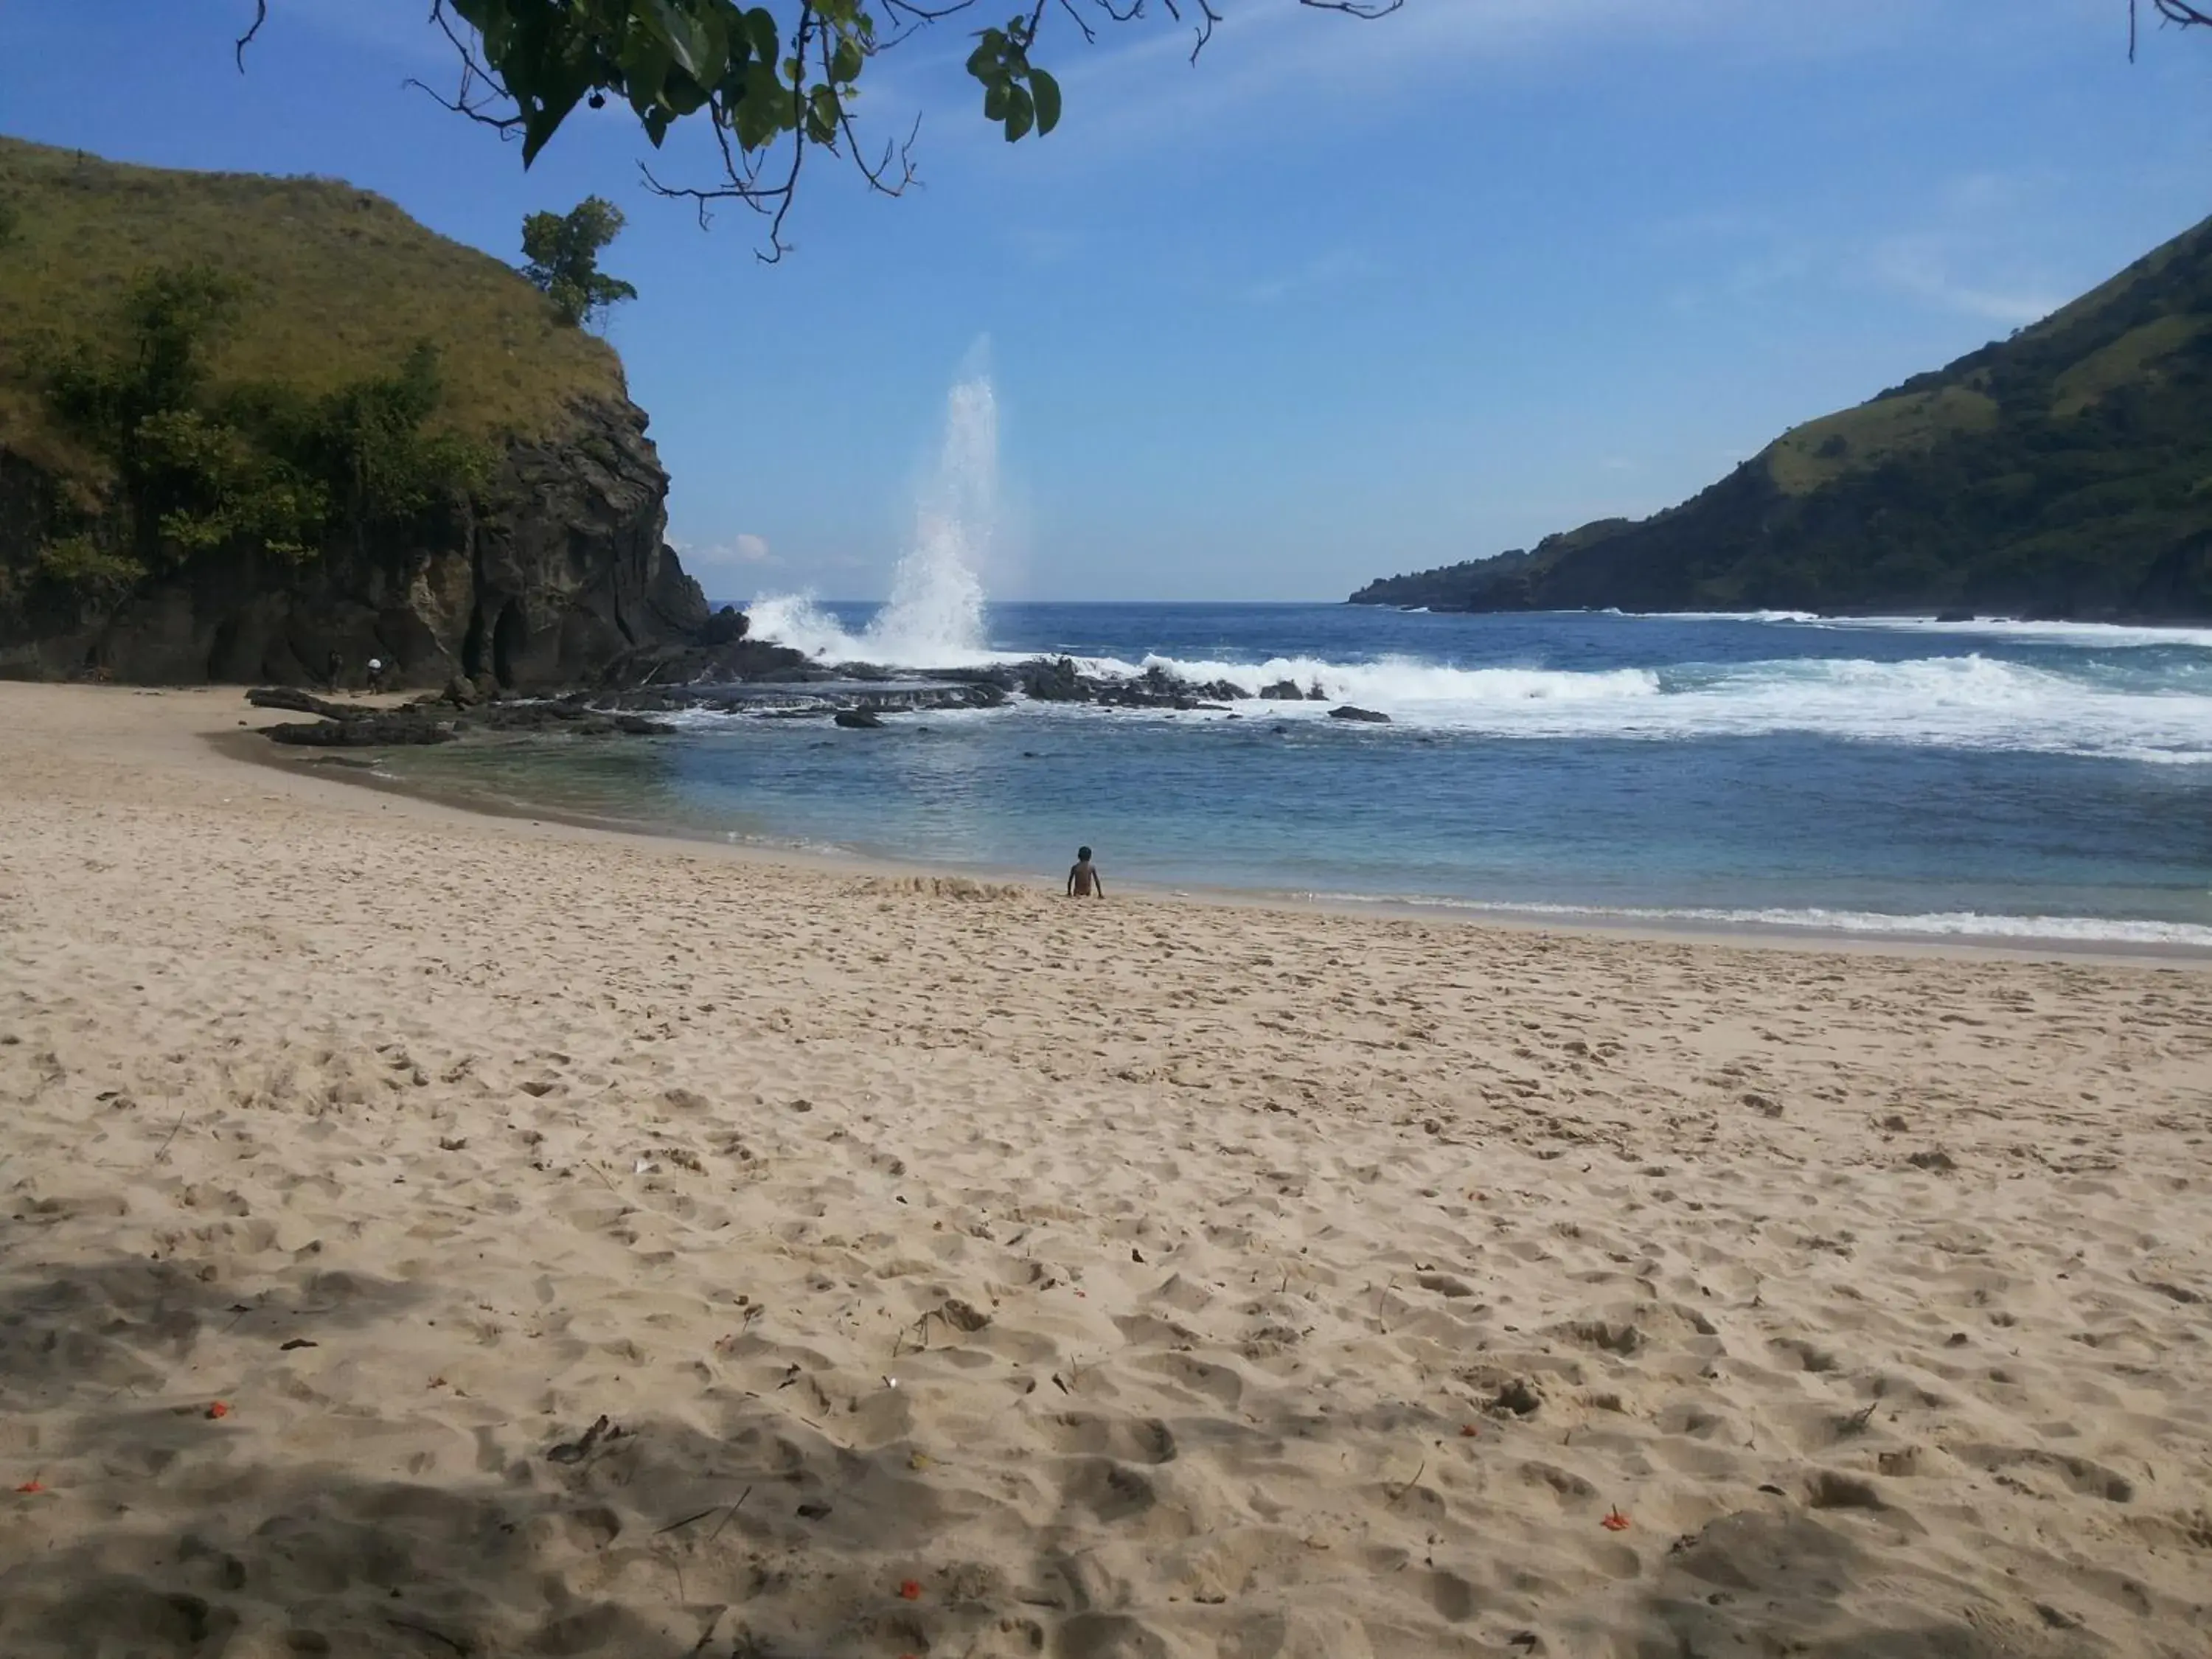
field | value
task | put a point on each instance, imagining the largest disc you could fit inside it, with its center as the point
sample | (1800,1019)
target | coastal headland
(429,1233)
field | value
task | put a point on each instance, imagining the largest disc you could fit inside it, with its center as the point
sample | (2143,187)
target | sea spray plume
(934,618)
(936,609)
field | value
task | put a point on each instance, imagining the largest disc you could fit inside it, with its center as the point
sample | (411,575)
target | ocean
(2021,780)
(2017,781)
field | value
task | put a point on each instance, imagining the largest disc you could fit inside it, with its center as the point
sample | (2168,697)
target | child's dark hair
(1082,854)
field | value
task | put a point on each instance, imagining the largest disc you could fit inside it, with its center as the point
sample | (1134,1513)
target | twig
(1410,1485)
(674,1526)
(159,1152)
(458,1644)
(726,1519)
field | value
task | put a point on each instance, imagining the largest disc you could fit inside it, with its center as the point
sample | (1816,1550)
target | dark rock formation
(436,719)
(369,731)
(1348,712)
(557,575)
(860,719)
(1053,682)
(294,701)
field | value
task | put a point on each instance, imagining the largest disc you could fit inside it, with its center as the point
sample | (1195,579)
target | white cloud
(1137,84)
(405,33)
(1924,267)
(711,559)
(1327,270)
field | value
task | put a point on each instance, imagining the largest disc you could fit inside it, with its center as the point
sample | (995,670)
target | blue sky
(1344,299)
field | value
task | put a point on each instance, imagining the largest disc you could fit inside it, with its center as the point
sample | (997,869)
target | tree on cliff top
(776,81)
(563,251)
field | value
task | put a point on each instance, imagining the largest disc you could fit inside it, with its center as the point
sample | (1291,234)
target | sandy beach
(445,1234)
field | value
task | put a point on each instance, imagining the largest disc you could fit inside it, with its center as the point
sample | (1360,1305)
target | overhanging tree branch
(239,46)
(2180,13)
(769,93)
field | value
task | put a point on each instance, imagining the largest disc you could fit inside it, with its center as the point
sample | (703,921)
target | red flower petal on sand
(33,1484)
(1469,1431)
(219,1409)
(1614,1521)
(909,1590)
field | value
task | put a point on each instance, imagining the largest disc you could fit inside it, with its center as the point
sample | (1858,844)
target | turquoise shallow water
(2012,779)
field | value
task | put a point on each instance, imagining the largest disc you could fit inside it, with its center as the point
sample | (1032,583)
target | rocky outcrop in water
(556,575)
(442,719)
(1057,679)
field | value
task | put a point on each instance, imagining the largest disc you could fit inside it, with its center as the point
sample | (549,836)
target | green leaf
(682,96)
(544,120)
(766,38)
(646,61)
(688,43)
(845,62)
(765,109)
(996,102)
(1021,115)
(1046,91)
(989,56)
(821,113)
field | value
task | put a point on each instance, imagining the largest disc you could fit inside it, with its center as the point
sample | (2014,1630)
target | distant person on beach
(375,674)
(1083,881)
(337,667)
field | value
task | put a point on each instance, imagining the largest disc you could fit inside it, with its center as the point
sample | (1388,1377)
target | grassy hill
(2065,472)
(340,284)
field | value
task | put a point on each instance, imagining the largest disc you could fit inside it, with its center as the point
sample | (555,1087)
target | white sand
(1140,1279)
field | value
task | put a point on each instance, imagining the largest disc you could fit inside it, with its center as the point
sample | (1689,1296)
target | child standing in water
(1082,880)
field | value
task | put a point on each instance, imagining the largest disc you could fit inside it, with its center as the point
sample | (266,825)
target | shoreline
(1748,935)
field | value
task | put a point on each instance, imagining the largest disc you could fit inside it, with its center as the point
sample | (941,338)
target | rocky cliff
(555,575)
(550,569)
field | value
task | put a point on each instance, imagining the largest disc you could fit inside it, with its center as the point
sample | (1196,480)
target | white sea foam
(1968,702)
(1940,924)
(2091,636)
(1720,615)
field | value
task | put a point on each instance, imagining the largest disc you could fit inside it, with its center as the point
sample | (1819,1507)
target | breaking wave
(1941,923)
(1968,702)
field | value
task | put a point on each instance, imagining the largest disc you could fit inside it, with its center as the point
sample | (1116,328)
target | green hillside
(339,286)
(2065,472)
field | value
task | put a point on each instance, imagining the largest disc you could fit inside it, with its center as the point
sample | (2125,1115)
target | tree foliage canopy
(771,82)
(563,251)
(774,82)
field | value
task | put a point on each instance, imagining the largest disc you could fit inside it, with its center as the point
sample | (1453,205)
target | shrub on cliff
(257,463)
(339,286)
